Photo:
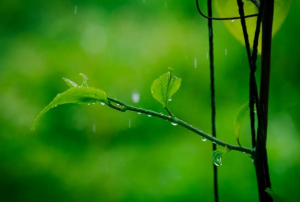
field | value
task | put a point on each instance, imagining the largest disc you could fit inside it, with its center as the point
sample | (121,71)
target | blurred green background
(94,153)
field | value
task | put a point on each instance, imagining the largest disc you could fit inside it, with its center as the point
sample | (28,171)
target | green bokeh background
(94,153)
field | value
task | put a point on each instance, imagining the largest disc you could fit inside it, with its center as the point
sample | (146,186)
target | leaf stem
(124,107)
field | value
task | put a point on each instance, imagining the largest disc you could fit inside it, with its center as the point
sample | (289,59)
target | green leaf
(229,8)
(84,78)
(275,197)
(76,95)
(164,87)
(70,83)
(238,120)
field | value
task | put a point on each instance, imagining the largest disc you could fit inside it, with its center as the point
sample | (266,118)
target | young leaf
(70,83)
(163,88)
(229,8)
(276,197)
(84,78)
(238,120)
(76,95)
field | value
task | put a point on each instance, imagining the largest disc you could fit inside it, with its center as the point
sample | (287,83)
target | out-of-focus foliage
(239,119)
(93,153)
(229,8)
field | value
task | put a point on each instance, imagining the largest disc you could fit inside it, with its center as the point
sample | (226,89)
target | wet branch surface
(120,106)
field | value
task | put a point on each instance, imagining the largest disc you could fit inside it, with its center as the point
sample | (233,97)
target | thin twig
(252,83)
(124,107)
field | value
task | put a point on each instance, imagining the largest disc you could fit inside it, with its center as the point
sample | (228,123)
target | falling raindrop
(135,96)
(186,58)
(75,10)
(94,128)
(174,124)
(195,62)
(129,123)
(207,55)
(165,4)
(225,51)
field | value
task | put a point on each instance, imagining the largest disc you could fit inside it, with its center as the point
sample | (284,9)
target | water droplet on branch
(174,124)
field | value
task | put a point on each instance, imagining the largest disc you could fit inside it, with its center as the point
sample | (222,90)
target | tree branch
(120,106)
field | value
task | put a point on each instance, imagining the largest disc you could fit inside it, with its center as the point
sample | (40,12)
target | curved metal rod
(231,18)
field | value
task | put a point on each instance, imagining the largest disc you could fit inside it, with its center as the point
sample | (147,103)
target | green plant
(165,86)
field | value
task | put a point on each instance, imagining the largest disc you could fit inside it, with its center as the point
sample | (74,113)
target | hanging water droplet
(88,103)
(94,103)
(174,124)
(170,99)
(102,103)
(255,112)
(58,94)
(55,105)
(118,104)
(232,20)
(149,115)
(139,113)
(217,157)
(204,139)
(218,161)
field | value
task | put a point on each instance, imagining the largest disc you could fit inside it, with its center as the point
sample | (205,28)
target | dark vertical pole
(261,160)
(212,88)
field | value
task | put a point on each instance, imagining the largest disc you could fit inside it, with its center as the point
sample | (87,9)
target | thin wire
(213,18)
(212,89)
